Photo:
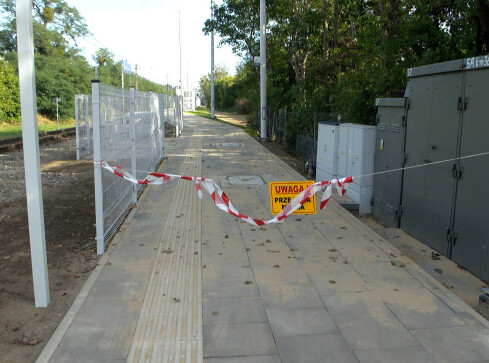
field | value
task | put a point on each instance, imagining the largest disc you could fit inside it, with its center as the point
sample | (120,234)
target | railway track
(16,143)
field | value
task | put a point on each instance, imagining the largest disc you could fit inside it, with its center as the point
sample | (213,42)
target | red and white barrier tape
(224,203)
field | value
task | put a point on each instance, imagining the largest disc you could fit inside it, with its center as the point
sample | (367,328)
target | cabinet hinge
(398,214)
(457,171)
(462,103)
(452,236)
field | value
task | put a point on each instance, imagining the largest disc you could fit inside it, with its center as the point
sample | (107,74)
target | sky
(145,32)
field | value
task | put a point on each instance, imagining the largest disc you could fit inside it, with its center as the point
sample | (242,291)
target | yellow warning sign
(281,193)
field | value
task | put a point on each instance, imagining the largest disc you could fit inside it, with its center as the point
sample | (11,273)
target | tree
(482,25)
(220,72)
(54,15)
(9,93)
(60,70)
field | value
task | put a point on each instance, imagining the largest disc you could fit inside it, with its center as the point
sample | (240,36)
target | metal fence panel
(129,129)
(116,148)
(83,118)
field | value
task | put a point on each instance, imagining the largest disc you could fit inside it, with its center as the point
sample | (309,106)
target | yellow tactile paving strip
(170,324)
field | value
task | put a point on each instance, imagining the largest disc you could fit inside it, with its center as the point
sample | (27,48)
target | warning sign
(281,193)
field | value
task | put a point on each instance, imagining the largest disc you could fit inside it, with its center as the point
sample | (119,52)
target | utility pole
(180,46)
(212,68)
(263,71)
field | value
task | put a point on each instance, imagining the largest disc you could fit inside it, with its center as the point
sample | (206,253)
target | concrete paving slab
(458,344)
(249,359)
(100,332)
(399,355)
(133,255)
(301,321)
(125,282)
(224,276)
(415,306)
(366,323)
(332,273)
(234,340)
(223,241)
(289,295)
(330,348)
(234,310)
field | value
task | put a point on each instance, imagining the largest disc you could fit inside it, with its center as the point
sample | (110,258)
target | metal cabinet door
(343,136)
(327,152)
(470,249)
(389,155)
(431,135)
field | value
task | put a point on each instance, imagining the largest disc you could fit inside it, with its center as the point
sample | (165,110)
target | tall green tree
(60,69)
(339,55)
(9,93)
(220,73)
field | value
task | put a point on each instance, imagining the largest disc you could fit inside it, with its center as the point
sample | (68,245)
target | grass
(13,130)
(203,112)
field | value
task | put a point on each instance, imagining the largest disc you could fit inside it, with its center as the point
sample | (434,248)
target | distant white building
(189,98)
(198,103)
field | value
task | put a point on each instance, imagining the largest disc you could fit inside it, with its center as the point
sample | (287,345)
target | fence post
(87,119)
(30,135)
(314,149)
(132,123)
(181,116)
(285,128)
(152,135)
(97,158)
(77,127)
(161,126)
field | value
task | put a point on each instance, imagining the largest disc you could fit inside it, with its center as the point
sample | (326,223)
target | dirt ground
(69,223)
(68,195)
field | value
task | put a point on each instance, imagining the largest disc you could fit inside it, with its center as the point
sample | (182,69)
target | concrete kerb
(63,327)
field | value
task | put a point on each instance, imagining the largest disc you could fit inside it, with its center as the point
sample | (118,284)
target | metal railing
(295,131)
(129,131)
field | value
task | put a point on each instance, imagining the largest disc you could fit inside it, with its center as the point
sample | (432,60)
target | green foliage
(61,77)
(337,56)
(9,93)
(61,72)
(222,80)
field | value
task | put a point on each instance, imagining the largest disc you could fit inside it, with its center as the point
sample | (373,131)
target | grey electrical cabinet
(389,160)
(446,181)
(356,147)
(327,151)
